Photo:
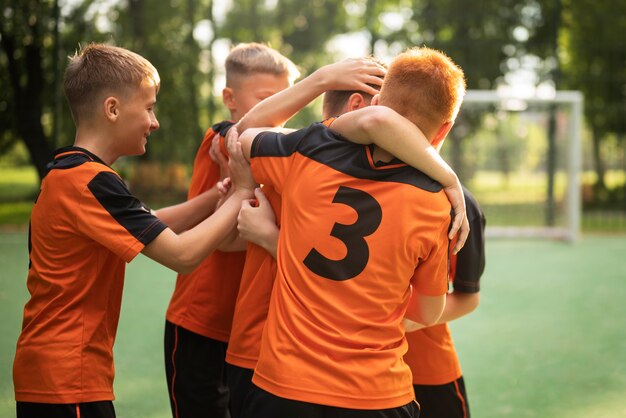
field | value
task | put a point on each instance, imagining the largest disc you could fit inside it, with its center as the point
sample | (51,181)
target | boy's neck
(89,140)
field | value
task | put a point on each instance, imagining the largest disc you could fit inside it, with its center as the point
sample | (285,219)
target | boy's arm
(458,305)
(424,310)
(257,223)
(395,134)
(183,216)
(184,252)
(349,74)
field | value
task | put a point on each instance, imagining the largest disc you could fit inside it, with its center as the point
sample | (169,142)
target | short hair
(99,69)
(335,100)
(425,86)
(252,58)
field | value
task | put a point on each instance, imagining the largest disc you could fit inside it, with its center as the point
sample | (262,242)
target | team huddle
(318,267)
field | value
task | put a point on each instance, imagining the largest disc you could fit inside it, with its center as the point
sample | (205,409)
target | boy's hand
(460,223)
(353,74)
(256,221)
(219,158)
(240,172)
(223,186)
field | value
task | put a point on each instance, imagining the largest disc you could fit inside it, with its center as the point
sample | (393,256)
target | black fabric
(470,262)
(101,409)
(222,127)
(74,157)
(262,404)
(196,377)
(125,208)
(443,401)
(320,144)
(240,385)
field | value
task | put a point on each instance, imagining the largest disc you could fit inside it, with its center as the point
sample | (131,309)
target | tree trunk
(28,93)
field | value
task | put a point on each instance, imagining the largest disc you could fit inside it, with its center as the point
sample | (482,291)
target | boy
(85,225)
(198,319)
(260,266)
(333,340)
(437,377)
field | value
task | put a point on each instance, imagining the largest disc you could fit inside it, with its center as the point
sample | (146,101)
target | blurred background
(516,155)
(540,141)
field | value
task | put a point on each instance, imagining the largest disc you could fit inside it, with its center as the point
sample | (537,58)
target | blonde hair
(425,86)
(250,58)
(99,69)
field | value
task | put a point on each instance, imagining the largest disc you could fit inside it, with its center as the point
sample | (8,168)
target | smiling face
(136,119)
(244,94)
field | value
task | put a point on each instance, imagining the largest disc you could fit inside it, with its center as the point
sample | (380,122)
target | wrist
(243,192)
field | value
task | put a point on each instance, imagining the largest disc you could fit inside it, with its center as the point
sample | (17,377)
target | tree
(23,32)
(594,62)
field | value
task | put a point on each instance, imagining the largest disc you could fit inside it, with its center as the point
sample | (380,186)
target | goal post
(520,156)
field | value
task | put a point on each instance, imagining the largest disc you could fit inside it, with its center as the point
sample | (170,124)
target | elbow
(426,310)
(378,116)
(473,302)
(186,263)
(431,317)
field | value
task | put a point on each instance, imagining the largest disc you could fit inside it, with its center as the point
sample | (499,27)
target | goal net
(521,158)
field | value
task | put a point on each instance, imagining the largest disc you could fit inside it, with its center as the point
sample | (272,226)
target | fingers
(463,234)
(260,197)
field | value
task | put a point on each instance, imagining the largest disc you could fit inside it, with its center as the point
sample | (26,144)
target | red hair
(425,86)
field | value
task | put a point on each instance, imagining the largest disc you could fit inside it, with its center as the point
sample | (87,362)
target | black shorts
(443,401)
(196,375)
(240,384)
(262,404)
(100,409)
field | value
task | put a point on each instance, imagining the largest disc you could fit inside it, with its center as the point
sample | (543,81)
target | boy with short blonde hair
(85,225)
(199,316)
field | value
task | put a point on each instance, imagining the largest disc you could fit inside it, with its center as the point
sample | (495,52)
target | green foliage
(596,64)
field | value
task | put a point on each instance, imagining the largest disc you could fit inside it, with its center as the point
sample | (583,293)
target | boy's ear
(375,100)
(228,98)
(111,108)
(356,101)
(441,134)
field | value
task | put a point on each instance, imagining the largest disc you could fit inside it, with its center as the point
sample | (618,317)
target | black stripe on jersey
(470,262)
(74,157)
(125,208)
(222,127)
(320,144)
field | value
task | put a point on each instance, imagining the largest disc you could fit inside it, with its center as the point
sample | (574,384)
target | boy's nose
(155,124)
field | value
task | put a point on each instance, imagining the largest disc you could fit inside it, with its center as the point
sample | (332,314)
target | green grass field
(547,341)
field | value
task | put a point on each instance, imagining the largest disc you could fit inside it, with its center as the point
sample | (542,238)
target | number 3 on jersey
(369,216)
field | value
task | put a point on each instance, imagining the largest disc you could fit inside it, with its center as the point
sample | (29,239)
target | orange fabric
(204,300)
(78,253)
(340,342)
(253,300)
(432,356)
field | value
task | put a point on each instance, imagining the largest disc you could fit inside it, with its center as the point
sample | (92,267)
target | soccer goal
(521,158)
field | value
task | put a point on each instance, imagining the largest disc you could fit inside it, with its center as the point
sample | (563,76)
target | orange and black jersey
(468,265)
(432,355)
(203,301)
(354,236)
(85,225)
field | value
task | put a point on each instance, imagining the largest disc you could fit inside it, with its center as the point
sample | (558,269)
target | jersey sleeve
(271,156)
(112,216)
(470,261)
(431,275)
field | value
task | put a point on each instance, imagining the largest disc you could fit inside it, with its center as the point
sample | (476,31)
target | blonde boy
(198,320)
